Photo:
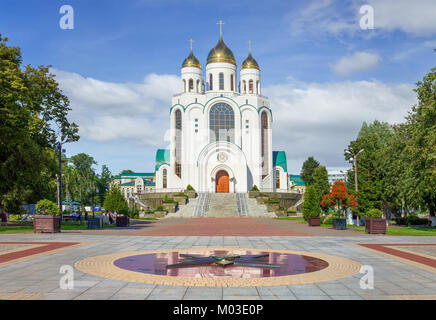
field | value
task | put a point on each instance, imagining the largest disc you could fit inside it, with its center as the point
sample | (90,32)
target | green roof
(162,157)
(134,175)
(296,179)
(279,159)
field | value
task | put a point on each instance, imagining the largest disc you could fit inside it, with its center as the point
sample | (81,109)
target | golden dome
(250,63)
(221,53)
(191,61)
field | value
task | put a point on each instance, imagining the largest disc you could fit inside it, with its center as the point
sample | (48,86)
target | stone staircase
(221,205)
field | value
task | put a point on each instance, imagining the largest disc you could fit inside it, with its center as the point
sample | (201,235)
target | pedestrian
(111,220)
(4,218)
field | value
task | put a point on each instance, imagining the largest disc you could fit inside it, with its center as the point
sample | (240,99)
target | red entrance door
(222,181)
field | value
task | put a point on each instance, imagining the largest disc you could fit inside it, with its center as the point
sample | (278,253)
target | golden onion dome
(250,63)
(221,53)
(191,61)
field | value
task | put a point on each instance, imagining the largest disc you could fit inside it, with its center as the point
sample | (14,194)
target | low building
(296,184)
(335,175)
(135,182)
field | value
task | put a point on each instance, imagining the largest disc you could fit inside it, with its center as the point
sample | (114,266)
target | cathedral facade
(220,130)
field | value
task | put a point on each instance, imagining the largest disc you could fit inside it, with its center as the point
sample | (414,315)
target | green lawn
(289,218)
(146,218)
(27,226)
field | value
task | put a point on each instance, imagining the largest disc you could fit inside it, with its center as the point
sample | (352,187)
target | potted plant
(340,199)
(160,212)
(374,224)
(253,192)
(48,219)
(180,198)
(261,198)
(190,192)
(311,207)
(169,204)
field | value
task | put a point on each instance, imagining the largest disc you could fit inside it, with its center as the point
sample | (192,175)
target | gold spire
(191,60)
(249,63)
(221,53)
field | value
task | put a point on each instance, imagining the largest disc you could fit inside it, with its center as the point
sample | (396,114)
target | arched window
(222,123)
(232,87)
(264,138)
(164,178)
(244,84)
(184,85)
(250,86)
(210,82)
(191,85)
(198,86)
(257,87)
(221,78)
(277,179)
(178,150)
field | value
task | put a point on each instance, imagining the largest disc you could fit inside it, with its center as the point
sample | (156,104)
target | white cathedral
(220,130)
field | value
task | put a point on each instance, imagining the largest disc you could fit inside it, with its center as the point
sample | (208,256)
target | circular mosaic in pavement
(220,267)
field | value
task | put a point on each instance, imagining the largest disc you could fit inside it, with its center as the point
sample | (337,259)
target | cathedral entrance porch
(222,182)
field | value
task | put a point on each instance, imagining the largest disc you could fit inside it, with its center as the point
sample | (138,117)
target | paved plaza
(404,267)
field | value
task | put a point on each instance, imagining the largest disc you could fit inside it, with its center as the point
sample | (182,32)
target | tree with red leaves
(339,197)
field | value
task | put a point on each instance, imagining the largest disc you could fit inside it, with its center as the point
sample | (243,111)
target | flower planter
(261,200)
(170,206)
(160,214)
(314,221)
(95,223)
(43,223)
(375,226)
(181,200)
(123,221)
(190,193)
(281,213)
(253,194)
(339,224)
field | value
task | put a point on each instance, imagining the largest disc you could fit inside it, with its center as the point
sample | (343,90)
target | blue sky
(323,74)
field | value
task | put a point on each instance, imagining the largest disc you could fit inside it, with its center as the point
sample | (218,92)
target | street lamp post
(92,199)
(60,151)
(355,180)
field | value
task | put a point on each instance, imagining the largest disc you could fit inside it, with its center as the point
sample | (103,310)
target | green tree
(85,176)
(33,115)
(421,145)
(321,181)
(311,204)
(115,202)
(307,170)
(103,183)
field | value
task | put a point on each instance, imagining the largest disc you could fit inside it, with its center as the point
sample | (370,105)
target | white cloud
(415,17)
(321,119)
(359,61)
(309,118)
(107,111)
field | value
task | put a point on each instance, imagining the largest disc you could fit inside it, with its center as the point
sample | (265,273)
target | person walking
(4,218)
(111,220)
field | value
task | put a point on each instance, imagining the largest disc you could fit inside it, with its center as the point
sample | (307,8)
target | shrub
(159,208)
(114,201)
(373,213)
(47,207)
(255,188)
(180,194)
(262,195)
(412,220)
(311,204)
(168,200)
(272,201)
(189,187)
